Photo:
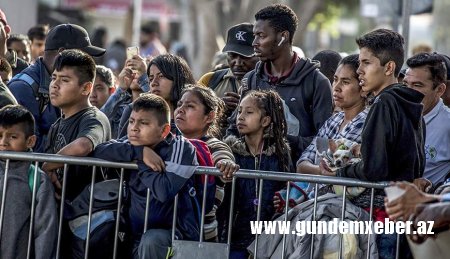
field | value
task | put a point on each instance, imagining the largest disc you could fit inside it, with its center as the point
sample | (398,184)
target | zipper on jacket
(256,200)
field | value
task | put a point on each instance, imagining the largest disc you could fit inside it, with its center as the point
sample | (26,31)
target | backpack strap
(216,78)
(41,96)
(31,171)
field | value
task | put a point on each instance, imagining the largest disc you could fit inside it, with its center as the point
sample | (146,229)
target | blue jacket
(21,86)
(246,192)
(181,161)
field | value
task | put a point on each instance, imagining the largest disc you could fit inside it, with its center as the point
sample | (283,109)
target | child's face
(65,91)
(159,84)
(250,119)
(190,116)
(100,93)
(13,139)
(144,129)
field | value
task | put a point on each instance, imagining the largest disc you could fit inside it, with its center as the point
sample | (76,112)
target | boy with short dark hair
(149,129)
(82,126)
(17,134)
(392,147)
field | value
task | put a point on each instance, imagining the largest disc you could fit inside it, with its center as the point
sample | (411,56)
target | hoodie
(307,94)
(393,138)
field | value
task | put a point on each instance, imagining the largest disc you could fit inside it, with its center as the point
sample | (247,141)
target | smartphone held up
(132,51)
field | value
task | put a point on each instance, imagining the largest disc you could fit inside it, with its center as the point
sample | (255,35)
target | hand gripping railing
(261,175)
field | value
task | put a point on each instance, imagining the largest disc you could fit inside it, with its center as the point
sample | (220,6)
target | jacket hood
(239,147)
(409,99)
(302,68)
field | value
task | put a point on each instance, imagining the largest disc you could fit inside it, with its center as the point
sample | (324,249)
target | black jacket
(393,138)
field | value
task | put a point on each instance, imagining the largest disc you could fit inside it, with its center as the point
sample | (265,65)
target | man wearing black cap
(226,82)
(30,87)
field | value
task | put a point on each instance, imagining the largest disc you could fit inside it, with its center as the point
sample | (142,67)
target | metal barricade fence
(199,249)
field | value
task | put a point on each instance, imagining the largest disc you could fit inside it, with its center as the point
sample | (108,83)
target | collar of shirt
(274,79)
(434,112)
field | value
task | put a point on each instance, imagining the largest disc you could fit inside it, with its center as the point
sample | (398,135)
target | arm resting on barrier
(118,151)
(79,147)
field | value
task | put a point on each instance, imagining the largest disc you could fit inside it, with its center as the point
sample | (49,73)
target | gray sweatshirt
(16,218)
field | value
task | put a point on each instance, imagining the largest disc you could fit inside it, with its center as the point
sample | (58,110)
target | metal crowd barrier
(200,249)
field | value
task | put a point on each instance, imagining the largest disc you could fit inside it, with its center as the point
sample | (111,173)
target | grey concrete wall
(21,14)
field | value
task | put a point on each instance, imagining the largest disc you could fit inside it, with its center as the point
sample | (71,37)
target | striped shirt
(330,130)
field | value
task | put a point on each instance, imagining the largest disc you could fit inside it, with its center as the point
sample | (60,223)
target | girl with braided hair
(262,146)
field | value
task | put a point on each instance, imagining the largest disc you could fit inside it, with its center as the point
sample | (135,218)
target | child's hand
(227,168)
(276,202)
(152,160)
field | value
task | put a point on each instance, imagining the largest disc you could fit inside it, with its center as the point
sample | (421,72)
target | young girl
(167,75)
(263,146)
(196,116)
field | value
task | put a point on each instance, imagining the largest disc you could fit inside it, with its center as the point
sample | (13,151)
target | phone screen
(132,51)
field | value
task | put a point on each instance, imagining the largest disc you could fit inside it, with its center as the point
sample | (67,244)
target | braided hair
(176,69)
(275,134)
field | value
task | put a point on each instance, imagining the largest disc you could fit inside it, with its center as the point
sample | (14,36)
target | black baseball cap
(239,39)
(71,36)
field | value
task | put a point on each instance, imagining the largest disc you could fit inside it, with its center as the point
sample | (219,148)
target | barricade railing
(260,175)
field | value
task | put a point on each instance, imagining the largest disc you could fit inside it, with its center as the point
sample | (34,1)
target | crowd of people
(264,110)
